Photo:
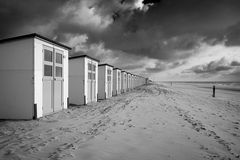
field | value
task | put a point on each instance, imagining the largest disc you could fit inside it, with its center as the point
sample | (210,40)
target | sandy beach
(152,122)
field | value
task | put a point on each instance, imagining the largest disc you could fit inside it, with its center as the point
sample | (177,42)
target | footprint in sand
(63,151)
(235,122)
(235,135)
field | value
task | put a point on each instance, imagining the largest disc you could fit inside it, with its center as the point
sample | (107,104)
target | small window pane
(89,76)
(59,58)
(109,78)
(48,70)
(93,68)
(93,76)
(89,66)
(47,55)
(58,71)
(109,71)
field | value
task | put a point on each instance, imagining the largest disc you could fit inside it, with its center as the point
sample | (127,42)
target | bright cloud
(206,58)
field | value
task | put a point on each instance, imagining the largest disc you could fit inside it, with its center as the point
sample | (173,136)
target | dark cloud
(232,34)
(15,15)
(169,30)
(180,23)
(235,63)
(151,1)
(212,67)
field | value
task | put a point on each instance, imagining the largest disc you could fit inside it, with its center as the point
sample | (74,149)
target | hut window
(48,55)
(58,71)
(93,76)
(48,70)
(59,58)
(109,71)
(93,68)
(89,76)
(89,66)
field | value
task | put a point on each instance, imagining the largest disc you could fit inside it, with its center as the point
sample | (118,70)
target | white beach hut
(116,81)
(34,77)
(131,84)
(83,79)
(124,81)
(105,81)
(134,81)
(128,81)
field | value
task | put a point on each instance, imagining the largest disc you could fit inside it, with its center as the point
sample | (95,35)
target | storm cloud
(150,35)
(212,67)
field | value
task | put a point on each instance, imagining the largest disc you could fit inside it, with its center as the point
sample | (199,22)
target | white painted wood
(38,77)
(128,81)
(16,80)
(81,89)
(116,82)
(124,81)
(21,82)
(104,86)
(76,81)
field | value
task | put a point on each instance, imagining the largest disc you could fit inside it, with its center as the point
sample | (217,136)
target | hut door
(109,81)
(52,80)
(58,80)
(119,81)
(47,80)
(93,94)
(91,82)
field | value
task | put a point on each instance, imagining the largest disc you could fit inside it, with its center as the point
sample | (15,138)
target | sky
(165,40)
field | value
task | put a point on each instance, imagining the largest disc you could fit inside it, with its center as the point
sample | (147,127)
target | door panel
(47,96)
(109,89)
(89,99)
(93,90)
(58,95)
(58,80)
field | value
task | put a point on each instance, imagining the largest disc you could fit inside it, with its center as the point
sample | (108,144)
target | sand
(152,122)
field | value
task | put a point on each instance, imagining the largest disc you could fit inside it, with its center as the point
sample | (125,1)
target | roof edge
(34,35)
(117,68)
(105,64)
(83,56)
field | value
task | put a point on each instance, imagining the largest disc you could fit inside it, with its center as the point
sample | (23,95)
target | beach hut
(124,81)
(128,81)
(105,81)
(83,79)
(116,81)
(134,81)
(34,77)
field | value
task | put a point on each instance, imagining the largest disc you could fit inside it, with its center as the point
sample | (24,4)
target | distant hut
(124,81)
(105,81)
(83,79)
(116,81)
(129,79)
